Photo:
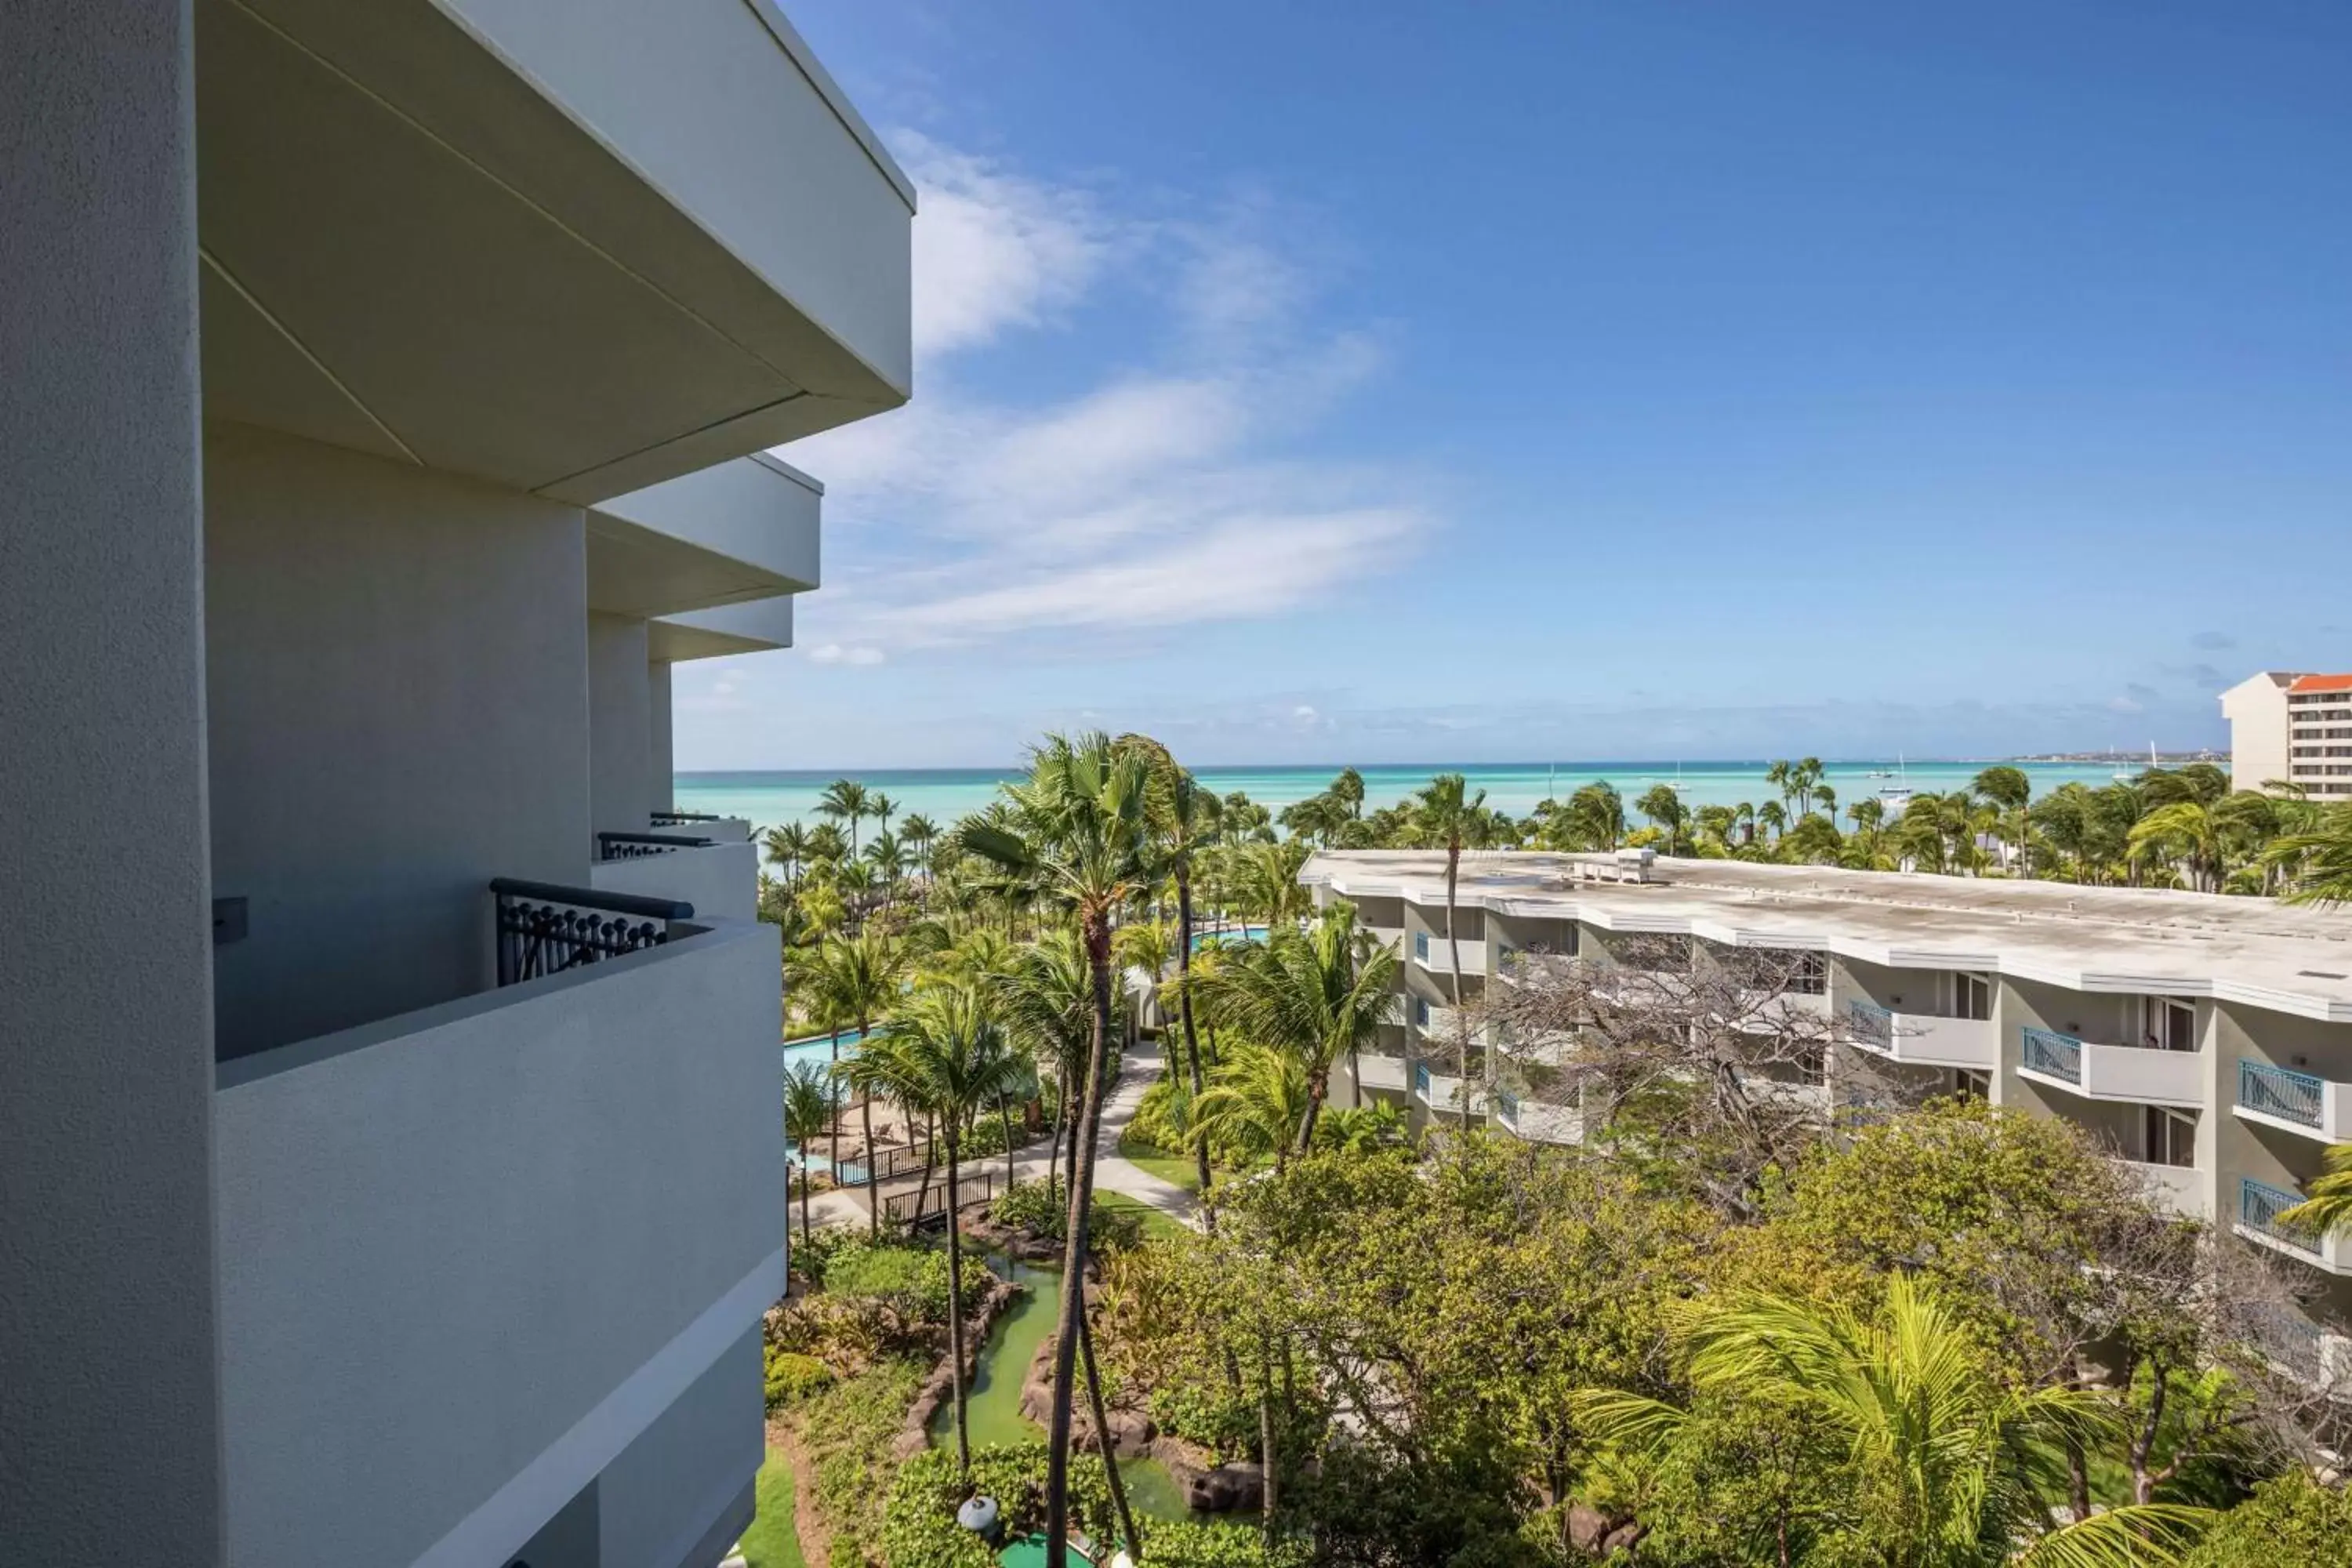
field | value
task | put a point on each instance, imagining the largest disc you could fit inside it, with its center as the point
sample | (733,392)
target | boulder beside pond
(1237,1486)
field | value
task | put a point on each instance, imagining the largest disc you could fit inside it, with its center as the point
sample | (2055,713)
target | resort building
(388,1078)
(2206,1040)
(2294,729)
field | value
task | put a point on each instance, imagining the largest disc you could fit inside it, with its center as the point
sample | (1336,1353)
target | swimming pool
(818,1049)
(1231,933)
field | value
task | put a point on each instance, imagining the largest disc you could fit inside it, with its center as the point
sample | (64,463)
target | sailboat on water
(1894,797)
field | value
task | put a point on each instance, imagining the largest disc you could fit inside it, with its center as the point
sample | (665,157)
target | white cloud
(1155,495)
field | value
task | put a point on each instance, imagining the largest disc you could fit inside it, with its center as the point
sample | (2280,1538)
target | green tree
(811,1099)
(2290,1522)
(1047,1001)
(1662,806)
(854,981)
(1317,994)
(2318,862)
(1446,816)
(1185,820)
(946,1053)
(1948,1457)
(788,846)
(1084,841)
(1255,1102)
(2006,788)
(845,800)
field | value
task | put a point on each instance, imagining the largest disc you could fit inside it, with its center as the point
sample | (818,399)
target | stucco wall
(620,726)
(720,881)
(469,1257)
(660,763)
(109,1418)
(399,699)
(662,1495)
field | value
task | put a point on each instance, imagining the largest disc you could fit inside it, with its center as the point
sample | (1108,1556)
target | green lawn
(771,1542)
(1156,1226)
(1176,1169)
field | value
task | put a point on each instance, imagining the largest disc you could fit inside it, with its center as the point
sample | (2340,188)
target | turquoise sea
(943,795)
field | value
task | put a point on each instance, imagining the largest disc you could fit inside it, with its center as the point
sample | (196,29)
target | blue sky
(1399,382)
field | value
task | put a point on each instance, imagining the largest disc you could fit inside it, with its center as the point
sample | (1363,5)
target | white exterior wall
(720,881)
(2256,710)
(620,727)
(398,680)
(661,766)
(110,1425)
(469,1257)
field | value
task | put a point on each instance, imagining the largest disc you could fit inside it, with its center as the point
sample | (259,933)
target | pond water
(992,1405)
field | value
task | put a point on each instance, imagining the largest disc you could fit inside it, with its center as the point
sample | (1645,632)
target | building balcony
(2316,1357)
(1443,1091)
(469,1254)
(570,250)
(720,878)
(2259,1207)
(1537,1123)
(1791,1010)
(2176,1189)
(736,533)
(1435,953)
(2139,1074)
(1380,1072)
(2297,1102)
(1921,1039)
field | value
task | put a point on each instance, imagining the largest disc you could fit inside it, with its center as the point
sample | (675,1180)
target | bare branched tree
(1669,1048)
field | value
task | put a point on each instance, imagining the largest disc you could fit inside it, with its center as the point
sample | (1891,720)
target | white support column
(111,1439)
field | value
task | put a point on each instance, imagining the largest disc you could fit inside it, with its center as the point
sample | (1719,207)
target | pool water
(817,1049)
(992,1405)
(1231,933)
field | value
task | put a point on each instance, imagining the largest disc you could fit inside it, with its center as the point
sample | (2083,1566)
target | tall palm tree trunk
(1192,1040)
(1356,1073)
(1074,1259)
(873,1158)
(1102,1439)
(1005,1114)
(836,1106)
(955,1312)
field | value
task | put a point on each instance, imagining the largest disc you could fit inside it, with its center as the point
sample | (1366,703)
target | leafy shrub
(910,1282)
(2290,1522)
(793,1377)
(1187,1543)
(1163,1115)
(847,1429)
(919,1525)
(1042,1210)
(1214,1415)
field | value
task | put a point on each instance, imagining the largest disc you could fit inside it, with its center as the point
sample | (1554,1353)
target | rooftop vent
(2322,975)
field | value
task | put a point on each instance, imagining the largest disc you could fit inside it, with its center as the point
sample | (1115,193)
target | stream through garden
(992,1408)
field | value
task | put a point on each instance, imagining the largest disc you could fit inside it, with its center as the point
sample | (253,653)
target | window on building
(2168,1024)
(1421,1012)
(1972,996)
(2168,1137)
(1971,1085)
(1811,975)
(1421,945)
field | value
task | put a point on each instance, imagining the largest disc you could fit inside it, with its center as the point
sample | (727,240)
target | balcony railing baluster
(2290,1095)
(545,929)
(2059,1056)
(633,846)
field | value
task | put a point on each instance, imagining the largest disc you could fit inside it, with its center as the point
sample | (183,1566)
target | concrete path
(1139,1070)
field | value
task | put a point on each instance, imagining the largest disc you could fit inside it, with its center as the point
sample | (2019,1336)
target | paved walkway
(1139,1070)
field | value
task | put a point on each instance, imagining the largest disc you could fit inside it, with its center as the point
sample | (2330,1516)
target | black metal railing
(886,1163)
(632,846)
(973,1187)
(545,929)
(683,818)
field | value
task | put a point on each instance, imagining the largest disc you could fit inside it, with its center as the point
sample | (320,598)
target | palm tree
(920,832)
(1446,816)
(1046,999)
(1257,1100)
(880,807)
(1318,995)
(2006,788)
(846,799)
(2326,1206)
(1185,820)
(2183,831)
(788,846)
(946,1053)
(811,1098)
(1596,815)
(1661,805)
(1949,1451)
(856,980)
(1777,776)
(1803,778)
(1082,841)
(2318,862)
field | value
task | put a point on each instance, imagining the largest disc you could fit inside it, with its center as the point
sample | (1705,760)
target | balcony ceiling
(575,250)
(741,531)
(755,627)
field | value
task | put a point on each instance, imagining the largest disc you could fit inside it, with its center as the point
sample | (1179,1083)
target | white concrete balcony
(1381,1072)
(2298,1103)
(1922,1039)
(720,878)
(1443,1091)
(2136,1073)
(739,533)
(2259,1207)
(1435,953)
(1785,1010)
(1436,1023)
(2176,1189)
(759,625)
(1538,1123)
(570,249)
(469,1255)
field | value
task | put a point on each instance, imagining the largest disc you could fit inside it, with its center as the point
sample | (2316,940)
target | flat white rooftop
(2252,950)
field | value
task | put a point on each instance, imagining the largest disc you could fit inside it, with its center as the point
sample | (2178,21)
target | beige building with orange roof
(2293,727)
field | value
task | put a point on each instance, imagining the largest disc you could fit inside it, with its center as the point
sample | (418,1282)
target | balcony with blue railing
(1506,1108)
(2143,1075)
(2298,1103)
(2261,1219)
(1920,1039)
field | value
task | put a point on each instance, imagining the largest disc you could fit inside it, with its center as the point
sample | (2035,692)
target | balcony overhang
(740,532)
(760,627)
(576,250)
